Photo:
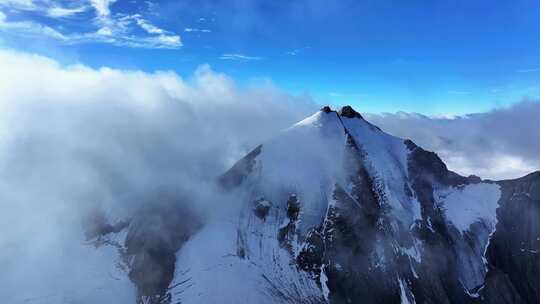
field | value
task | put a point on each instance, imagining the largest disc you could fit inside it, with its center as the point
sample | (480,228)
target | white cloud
(18,4)
(28,27)
(196,30)
(58,12)
(148,27)
(529,70)
(502,143)
(295,52)
(102,7)
(50,8)
(113,28)
(239,57)
(73,136)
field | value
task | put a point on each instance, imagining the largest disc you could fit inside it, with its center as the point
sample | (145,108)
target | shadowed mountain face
(513,254)
(334,210)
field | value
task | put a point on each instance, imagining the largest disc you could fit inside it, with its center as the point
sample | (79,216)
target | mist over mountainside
(260,151)
(116,188)
(333,210)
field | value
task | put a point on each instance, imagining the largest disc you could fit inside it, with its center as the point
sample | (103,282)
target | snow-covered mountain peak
(322,118)
(334,210)
(362,200)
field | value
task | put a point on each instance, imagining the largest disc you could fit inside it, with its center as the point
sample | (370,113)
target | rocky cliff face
(334,210)
(513,255)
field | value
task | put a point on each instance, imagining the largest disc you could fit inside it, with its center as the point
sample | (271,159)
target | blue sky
(433,57)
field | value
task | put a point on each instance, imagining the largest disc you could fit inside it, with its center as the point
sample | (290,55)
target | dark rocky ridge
(514,250)
(236,175)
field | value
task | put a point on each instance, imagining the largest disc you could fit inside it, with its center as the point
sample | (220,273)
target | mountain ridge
(334,210)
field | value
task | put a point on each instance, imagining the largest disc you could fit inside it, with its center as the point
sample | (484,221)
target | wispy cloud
(110,27)
(28,27)
(102,7)
(295,52)
(502,143)
(19,4)
(196,30)
(59,12)
(535,70)
(50,8)
(239,57)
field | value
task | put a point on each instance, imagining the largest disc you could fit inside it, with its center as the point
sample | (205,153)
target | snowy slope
(387,158)
(470,204)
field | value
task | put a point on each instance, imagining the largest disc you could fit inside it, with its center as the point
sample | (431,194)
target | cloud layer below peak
(502,143)
(74,138)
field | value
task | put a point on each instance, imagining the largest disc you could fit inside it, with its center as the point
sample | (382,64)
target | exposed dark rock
(349,112)
(428,163)
(261,209)
(473,179)
(514,250)
(311,256)
(287,233)
(96,224)
(326,109)
(499,289)
(155,234)
(439,270)
(238,173)
(358,259)
(293,207)
(351,244)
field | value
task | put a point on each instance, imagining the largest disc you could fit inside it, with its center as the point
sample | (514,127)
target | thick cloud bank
(502,143)
(73,138)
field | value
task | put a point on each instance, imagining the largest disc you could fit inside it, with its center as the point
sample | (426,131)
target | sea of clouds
(75,138)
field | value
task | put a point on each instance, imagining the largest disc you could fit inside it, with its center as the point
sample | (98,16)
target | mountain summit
(334,210)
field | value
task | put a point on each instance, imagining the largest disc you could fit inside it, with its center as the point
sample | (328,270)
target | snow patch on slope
(208,270)
(403,293)
(324,281)
(470,204)
(387,163)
